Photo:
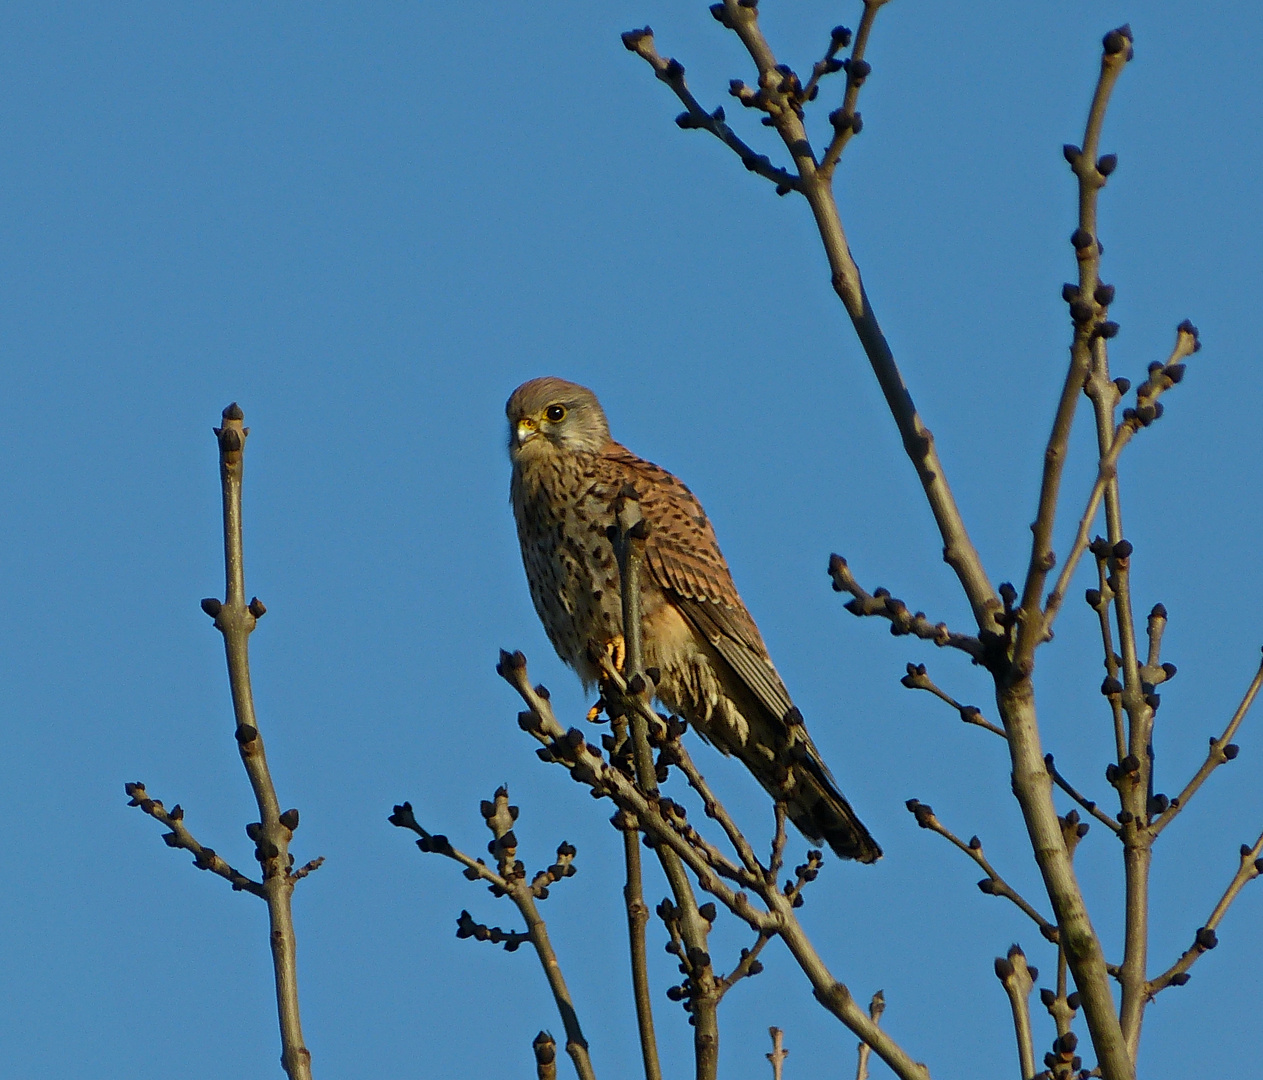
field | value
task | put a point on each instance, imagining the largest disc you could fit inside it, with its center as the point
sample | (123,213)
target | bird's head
(549,416)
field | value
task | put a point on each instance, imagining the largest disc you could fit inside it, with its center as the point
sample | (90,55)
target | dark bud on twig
(1081,311)
(1158,805)
(176,813)
(833,64)
(1008,593)
(686,121)
(254,830)
(1175,372)
(1070,292)
(1067,1043)
(1081,239)
(1123,550)
(1231,751)
(1104,295)
(1179,978)
(1093,597)
(987,886)
(840,37)
(257,608)
(721,15)
(266,850)
(674,70)
(1169,670)
(1130,764)
(1107,330)
(170,839)
(290,819)
(233,412)
(1003,968)
(1111,686)
(1116,41)
(1047,998)
(246,734)
(859,70)
(212,607)
(1107,164)
(1074,1001)
(1187,327)
(924,814)
(1123,385)
(708,912)
(403,816)
(975,844)
(1206,938)
(1071,153)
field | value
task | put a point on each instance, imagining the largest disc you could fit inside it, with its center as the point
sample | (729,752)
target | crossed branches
(1012,625)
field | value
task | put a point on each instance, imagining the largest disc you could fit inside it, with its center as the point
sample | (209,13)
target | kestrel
(714,668)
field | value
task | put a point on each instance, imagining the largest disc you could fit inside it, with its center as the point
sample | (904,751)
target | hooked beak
(526,430)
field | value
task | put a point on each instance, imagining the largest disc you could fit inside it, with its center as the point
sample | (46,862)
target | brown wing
(685,561)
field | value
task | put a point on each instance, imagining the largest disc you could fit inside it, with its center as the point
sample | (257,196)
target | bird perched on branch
(713,667)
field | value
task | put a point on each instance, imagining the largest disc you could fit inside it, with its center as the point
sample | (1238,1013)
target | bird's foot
(616,650)
(594,713)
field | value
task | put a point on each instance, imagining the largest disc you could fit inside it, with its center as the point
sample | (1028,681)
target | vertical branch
(235,619)
(779,1053)
(637,921)
(875,1008)
(1018,979)
(576,1044)
(629,547)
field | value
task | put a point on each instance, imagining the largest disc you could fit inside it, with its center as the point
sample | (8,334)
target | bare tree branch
(1222,750)
(917,679)
(1017,979)
(509,879)
(779,1053)
(1251,866)
(876,1007)
(901,620)
(993,884)
(204,858)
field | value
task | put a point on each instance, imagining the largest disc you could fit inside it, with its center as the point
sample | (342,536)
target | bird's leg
(594,713)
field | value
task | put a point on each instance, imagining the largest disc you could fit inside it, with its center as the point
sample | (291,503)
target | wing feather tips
(821,812)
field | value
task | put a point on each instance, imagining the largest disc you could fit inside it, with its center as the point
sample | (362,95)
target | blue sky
(367,226)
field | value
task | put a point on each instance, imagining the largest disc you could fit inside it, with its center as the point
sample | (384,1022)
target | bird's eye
(555,413)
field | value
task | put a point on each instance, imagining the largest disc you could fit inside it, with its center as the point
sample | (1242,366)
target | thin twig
(509,879)
(1087,804)
(1186,343)
(846,120)
(204,858)
(1018,979)
(902,621)
(235,620)
(1221,750)
(1251,866)
(779,1053)
(876,1007)
(993,884)
(671,72)
(917,679)
(637,921)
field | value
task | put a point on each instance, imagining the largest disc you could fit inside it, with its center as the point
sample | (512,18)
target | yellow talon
(616,649)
